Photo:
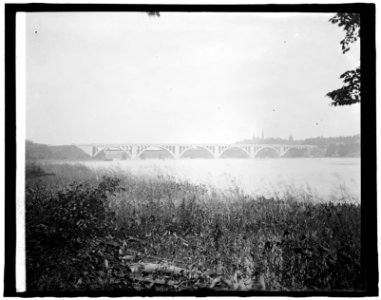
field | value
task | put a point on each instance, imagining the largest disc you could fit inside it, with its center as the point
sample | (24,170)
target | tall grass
(231,240)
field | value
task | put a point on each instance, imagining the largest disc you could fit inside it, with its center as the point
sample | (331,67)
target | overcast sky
(184,77)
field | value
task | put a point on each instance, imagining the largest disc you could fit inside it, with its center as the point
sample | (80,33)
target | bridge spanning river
(177,151)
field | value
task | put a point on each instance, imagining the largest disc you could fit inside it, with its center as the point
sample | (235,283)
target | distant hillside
(40,151)
(342,146)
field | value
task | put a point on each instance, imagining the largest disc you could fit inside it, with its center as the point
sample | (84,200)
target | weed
(130,233)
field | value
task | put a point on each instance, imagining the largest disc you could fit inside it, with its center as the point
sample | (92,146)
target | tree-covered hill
(41,151)
(342,146)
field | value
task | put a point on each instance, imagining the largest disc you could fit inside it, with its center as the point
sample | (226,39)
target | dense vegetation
(88,231)
(350,92)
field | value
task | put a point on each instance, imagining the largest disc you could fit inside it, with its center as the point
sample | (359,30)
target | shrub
(291,245)
(66,225)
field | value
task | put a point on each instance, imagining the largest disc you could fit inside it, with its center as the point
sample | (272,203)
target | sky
(184,77)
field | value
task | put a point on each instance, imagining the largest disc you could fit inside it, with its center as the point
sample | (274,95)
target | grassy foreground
(88,231)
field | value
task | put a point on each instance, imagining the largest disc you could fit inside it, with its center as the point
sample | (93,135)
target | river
(325,179)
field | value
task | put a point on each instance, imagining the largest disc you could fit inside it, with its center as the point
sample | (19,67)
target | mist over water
(326,179)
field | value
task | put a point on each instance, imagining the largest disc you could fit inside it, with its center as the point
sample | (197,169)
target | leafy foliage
(350,92)
(161,235)
(66,230)
(351,24)
(153,13)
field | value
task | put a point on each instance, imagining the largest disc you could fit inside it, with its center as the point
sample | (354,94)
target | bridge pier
(283,151)
(134,153)
(177,153)
(308,152)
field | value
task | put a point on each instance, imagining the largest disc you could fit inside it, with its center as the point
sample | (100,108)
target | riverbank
(94,231)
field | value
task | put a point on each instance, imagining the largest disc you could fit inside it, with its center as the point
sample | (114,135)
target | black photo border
(368,135)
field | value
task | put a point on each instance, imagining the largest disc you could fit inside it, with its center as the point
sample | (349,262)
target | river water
(325,179)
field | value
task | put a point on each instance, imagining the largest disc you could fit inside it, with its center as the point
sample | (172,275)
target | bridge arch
(99,152)
(150,149)
(242,150)
(267,148)
(298,151)
(126,155)
(103,152)
(205,149)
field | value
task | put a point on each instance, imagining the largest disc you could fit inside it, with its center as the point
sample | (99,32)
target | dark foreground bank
(110,232)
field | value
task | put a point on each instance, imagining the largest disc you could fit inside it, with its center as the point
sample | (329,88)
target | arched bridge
(136,151)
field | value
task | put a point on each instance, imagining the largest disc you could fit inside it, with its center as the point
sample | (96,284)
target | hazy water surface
(325,178)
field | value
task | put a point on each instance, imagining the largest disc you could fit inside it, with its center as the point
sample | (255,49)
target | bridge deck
(216,150)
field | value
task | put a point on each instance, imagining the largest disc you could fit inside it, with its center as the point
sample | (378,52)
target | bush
(67,226)
(77,235)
